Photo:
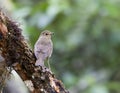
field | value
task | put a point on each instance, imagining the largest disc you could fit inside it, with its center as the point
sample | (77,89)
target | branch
(20,57)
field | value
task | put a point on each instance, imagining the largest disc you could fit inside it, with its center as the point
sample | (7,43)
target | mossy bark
(18,55)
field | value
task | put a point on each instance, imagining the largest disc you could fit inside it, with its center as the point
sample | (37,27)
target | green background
(86,53)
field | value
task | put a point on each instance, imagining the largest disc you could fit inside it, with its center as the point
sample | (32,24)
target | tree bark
(18,56)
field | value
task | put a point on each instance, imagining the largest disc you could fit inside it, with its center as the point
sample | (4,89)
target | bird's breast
(45,41)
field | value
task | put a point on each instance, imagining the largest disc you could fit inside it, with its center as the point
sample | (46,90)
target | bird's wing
(44,49)
(50,49)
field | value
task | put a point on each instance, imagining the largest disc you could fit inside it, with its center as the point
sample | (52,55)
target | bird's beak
(52,33)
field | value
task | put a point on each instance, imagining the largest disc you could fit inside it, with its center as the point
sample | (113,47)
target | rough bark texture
(20,57)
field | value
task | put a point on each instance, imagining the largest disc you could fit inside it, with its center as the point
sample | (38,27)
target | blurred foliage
(86,53)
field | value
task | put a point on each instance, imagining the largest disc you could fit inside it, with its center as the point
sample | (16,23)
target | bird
(43,48)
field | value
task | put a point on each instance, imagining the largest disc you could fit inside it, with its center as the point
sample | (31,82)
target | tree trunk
(18,56)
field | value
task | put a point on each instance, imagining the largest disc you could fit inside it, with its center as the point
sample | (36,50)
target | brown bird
(43,48)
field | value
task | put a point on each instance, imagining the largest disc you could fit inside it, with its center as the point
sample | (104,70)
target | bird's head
(47,33)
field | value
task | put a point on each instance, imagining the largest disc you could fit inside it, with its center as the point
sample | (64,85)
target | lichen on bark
(18,56)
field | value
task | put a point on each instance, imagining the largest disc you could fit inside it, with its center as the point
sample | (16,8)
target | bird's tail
(39,62)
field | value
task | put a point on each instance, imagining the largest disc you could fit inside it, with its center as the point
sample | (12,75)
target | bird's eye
(46,34)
